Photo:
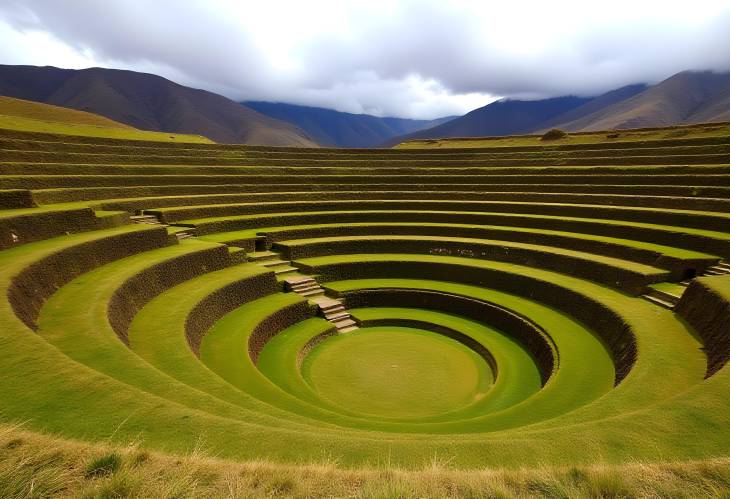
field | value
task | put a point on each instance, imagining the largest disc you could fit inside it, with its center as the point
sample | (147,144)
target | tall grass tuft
(104,465)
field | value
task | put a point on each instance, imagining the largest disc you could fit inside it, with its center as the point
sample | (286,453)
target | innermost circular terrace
(397,372)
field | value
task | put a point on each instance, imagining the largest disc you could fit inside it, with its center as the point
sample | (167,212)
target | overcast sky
(419,58)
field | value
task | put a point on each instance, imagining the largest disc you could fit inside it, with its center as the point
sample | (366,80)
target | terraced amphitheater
(502,307)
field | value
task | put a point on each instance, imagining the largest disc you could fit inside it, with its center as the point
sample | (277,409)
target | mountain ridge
(685,98)
(148,102)
(340,129)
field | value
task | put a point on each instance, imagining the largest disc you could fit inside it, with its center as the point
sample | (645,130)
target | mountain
(503,117)
(685,98)
(594,105)
(333,128)
(29,116)
(148,102)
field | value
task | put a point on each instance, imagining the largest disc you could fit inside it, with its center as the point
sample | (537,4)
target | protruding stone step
(347,323)
(332,310)
(721,268)
(343,314)
(283,269)
(272,262)
(184,234)
(260,256)
(659,301)
(712,271)
(669,297)
(328,303)
(145,219)
(297,281)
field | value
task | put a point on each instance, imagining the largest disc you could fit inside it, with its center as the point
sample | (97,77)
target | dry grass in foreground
(33,465)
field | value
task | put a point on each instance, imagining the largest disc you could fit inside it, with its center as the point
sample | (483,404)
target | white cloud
(410,58)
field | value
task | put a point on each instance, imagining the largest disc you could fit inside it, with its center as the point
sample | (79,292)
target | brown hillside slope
(149,102)
(687,97)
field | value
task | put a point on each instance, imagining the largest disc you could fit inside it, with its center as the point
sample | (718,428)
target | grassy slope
(27,116)
(37,465)
(630,135)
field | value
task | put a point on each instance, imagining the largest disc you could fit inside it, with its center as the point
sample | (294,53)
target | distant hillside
(593,106)
(46,112)
(685,98)
(148,102)
(29,116)
(337,129)
(504,117)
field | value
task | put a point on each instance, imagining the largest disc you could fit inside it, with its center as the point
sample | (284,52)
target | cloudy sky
(419,58)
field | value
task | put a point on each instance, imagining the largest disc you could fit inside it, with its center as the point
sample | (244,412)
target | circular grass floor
(397,372)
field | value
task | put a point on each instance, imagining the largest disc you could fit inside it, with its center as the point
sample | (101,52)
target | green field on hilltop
(26,116)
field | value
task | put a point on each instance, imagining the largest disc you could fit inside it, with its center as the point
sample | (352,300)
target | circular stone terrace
(506,306)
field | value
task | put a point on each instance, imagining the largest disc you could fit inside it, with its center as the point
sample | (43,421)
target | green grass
(158,335)
(397,372)
(20,108)
(669,287)
(280,359)
(104,465)
(33,125)
(517,375)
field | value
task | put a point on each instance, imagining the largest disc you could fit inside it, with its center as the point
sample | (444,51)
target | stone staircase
(147,219)
(305,286)
(720,268)
(670,300)
(272,261)
(185,234)
(662,298)
(329,308)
